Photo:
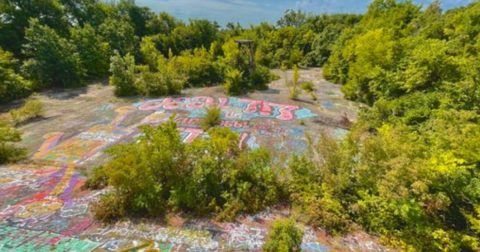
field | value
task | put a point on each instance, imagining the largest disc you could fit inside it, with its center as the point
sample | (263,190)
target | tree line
(67,43)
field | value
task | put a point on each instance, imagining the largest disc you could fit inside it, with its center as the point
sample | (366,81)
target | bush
(110,208)
(284,237)
(294,90)
(122,77)
(294,93)
(8,136)
(233,82)
(199,67)
(33,108)
(12,84)
(211,176)
(212,117)
(150,83)
(97,180)
(261,77)
(307,86)
(309,191)
(171,76)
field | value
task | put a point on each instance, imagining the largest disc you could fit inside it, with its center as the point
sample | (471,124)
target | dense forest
(409,170)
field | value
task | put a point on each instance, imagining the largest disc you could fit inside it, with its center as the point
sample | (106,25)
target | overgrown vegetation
(12,84)
(284,237)
(213,116)
(211,176)
(31,109)
(294,89)
(61,44)
(409,169)
(8,136)
(98,179)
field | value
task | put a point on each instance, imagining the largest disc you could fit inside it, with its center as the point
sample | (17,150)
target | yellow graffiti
(64,183)
(122,112)
(149,247)
(39,209)
(51,140)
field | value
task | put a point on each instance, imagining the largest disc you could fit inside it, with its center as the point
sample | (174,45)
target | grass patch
(33,108)
(212,118)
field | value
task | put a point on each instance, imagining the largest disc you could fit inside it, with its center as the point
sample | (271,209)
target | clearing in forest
(44,208)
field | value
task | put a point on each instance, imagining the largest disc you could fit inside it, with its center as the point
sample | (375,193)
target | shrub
(110,208)
(171,76)
(8,136)
(150,83)
(97,180)
(122,77)
(33,108)
(199,68)
(261,77)
(212,175)
(307,86)
(12,84)
(294,93)
(233,82)
(212,117)
(284,237)
(294,90)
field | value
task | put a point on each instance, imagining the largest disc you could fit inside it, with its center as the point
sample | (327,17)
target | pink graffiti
(192,134)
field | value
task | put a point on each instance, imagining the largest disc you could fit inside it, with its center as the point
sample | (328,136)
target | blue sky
(255,11)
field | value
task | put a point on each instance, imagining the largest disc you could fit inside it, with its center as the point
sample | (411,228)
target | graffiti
(327,104)
(304,113)
(149,247)
(361,242)
(104,107)
(43,209)
(243,237)
(122,236)
(232,108)
(17,239)
(313,247)
(189,122)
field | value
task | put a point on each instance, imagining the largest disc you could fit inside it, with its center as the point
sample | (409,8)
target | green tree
(52,60)
(16,15)
(93,51)
(163,23)
(292,18)
(120,34)
(12,84)
(82,12)
(408,168)
(151,56)
(122,70)
(138,16)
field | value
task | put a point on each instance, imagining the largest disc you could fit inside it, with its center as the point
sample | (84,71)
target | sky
(255,11)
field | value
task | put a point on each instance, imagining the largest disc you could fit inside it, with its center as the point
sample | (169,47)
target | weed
(33,108)
(307,86)
(213,116)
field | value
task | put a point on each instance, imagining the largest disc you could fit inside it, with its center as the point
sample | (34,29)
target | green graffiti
(23,240)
